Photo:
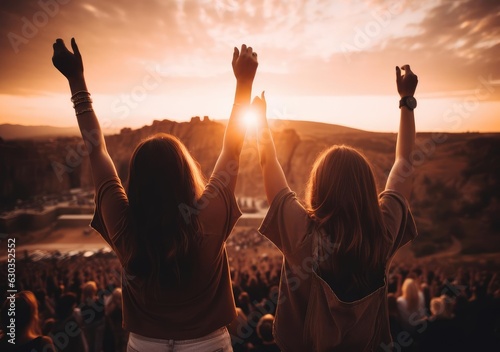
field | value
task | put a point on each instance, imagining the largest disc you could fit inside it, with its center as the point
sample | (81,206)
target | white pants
(217,341)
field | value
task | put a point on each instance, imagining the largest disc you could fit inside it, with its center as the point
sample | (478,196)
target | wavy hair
(341,197)
(26,314)
(163,176)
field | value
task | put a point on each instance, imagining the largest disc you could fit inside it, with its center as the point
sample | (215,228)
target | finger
(249,50)
(58,46)
(243,49)
(262,96)
(407,69)
(398,74)
(75,47)
(236,53)
(59,42)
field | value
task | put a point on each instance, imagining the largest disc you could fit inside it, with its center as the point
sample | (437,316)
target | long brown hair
(26,314)
(342,198)
(163,177)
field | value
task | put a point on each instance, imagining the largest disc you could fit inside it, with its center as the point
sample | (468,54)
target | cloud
(305,46)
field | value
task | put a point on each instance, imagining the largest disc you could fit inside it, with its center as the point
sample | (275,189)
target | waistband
(216,333)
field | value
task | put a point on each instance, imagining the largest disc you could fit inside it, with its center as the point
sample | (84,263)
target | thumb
(76,51)
(256,101)
(236,53)
(398,74)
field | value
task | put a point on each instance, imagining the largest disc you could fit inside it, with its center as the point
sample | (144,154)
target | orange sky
(321,60)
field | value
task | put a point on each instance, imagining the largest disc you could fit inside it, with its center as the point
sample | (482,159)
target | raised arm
(71,66)
(244,67)
(274,177)
(401,176)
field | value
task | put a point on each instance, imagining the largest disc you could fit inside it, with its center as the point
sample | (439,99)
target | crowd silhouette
(460,306)
(169,284)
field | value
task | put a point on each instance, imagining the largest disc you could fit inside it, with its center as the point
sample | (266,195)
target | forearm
(406,136)
(267,149)
(272,172)
(235,130)
(101,164)
(87,121)
(243,92)
(401,176)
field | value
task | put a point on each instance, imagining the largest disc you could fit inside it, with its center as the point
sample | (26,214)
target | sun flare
(250,119)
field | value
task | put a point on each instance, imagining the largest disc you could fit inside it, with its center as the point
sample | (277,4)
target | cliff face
(457,178)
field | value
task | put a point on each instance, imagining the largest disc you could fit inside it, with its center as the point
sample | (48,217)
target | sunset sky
(320,60)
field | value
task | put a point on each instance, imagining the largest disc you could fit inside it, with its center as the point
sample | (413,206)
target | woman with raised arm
(338,247)
(169,228)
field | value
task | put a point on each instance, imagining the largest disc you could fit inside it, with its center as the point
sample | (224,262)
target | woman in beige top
(338,247)
(169,228)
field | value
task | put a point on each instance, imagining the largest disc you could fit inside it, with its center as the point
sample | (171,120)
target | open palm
(68,63)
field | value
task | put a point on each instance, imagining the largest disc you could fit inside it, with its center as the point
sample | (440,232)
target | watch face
(411,102)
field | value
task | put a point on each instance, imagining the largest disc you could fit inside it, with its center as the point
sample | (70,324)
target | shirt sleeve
(110,215)
(398,219)
(287,222)
(218,208)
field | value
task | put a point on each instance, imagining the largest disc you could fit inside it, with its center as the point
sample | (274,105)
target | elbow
(404,165)
(401,174)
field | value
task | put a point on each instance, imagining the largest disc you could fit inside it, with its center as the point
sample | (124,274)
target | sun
(250,119)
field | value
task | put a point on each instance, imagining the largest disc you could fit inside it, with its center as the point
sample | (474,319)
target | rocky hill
(457,180)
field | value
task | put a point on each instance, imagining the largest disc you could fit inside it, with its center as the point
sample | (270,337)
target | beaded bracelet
(84,111)
(74,96)
(81,101)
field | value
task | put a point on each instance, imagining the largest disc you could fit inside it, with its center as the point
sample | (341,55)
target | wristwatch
(408,101)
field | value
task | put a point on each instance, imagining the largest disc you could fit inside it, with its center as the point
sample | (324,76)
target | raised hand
(406,83)
(259,105)
(244,64)
(68,63)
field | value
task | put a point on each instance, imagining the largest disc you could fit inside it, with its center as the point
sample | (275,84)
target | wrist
(78,87)
(244,82)
(408,102)
(78,82)
(243,93)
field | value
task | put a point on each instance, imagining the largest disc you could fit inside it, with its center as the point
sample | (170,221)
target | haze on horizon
(319,60)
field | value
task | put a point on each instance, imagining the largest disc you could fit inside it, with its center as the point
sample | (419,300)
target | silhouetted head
(341,184)
(162,171)
(265,328)
(410,293)
(163,186)
(117,296)
(65,305)
(437,306)
(25,306)
(89,290)
(342,197)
